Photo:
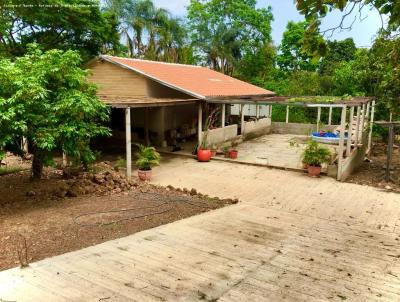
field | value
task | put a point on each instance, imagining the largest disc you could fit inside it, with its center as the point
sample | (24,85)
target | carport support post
(200,125)
(222,115)
(341,142)
(128,143)
(371,123)
(318,118)
(146,126)
(242,120)
(350,132)
(257,111)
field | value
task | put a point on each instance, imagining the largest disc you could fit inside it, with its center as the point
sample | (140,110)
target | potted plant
(233,153)
(213,150)
(314,156)
(147,157)
(204,152)
(226,151)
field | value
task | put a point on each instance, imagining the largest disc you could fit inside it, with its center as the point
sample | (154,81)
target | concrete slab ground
(273,150)
(292,238)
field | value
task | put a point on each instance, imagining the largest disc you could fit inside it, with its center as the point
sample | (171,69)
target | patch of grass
(320,99)
(5,171)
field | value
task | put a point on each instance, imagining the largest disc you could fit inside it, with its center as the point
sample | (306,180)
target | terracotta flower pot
(213,153)
(233,154)
(314,171)
(203,155)
(145,175)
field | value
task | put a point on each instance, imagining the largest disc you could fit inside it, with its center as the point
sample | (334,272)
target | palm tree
(223,49)
(149,32)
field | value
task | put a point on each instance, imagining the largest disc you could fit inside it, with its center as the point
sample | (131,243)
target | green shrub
(147,157)
(316,155)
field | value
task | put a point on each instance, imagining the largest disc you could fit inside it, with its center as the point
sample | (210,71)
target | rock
(72,193)
(193,192)
(60,192)
(75,191)
(31,193)
(98,179)
(108,176)
(388,188)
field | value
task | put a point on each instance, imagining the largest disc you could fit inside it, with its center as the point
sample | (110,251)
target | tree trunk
(37,164)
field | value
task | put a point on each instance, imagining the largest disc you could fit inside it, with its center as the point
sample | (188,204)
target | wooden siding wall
(113,80)
(117,81)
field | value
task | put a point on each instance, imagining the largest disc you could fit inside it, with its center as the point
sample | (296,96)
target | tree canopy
(150,32)
(292,55)
(57,24)
(224,32)
(46,98)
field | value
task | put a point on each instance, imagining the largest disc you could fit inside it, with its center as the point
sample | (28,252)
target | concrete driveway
(292,238)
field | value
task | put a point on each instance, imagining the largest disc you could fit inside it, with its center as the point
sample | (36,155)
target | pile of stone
(106,181)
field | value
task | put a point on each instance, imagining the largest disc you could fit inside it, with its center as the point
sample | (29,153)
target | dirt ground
(372,173)
(57,215)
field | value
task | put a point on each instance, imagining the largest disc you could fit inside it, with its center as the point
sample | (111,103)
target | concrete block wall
(220,135)
(297,128)
(261,126)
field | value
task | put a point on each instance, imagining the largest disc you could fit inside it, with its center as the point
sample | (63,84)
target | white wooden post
(242,119)
(357,126)
(371,123)
(368,111)
(287,114)
(362,123)
(64,160)
(223,115)
(200,125)
(270,111)
(24,144)
(128,143)
(341,142)
(330,116)
(257,111)
(350,132)
(318,118)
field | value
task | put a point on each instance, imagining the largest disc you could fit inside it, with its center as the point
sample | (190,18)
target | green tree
(151,32)
(292,55)
(338,52)
(385,71)
(223,32)
(353,77)
(62,24)
(46,98)
(384,67)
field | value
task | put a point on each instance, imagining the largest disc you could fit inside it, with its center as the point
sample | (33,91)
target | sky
(363,32)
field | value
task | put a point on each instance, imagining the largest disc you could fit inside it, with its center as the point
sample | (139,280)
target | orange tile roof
(200,82)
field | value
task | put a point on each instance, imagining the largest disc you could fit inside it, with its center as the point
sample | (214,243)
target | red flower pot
(314,171)
(144,175)
(233,154)
(203,155)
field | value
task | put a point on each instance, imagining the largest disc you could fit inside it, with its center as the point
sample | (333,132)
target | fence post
(287,114)
(341,142)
